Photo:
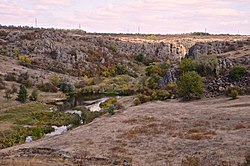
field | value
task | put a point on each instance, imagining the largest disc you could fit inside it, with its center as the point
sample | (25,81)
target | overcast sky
(123,16)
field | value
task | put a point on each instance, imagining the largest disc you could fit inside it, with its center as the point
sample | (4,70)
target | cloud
(152,16)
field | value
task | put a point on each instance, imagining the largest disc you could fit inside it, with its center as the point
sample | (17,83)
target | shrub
(24,59)
(7,94)
(206,65)
(13,89)
(141,99)
(162,95)
(15,51)
(187,65)
(140,58)
(230,89)
(113,48)
(37,133)
(23,76)
(121,69)
(22,94)
(234,94)
(66,87)
(56,80)
(237,72)
(190,85)
(156,68)
(80,84)
(5,52)
(10,77)
(34,95)
(247,159)
(153,81)
(2,84)
(171,87)
(47,87)
(111,109)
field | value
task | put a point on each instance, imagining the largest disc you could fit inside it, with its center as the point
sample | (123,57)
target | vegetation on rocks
(237,72)
(187,65)
(24,59)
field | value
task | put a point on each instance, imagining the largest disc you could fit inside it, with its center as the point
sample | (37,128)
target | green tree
(22,94)
(187,65)
(190,85)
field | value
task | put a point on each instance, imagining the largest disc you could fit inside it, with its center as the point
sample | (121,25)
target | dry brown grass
(239,126)
(34,161)
(199,134)
(201,123)
(118,149)
(145,119)
(149,129)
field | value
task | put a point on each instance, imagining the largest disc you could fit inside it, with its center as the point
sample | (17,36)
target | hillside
(212,132)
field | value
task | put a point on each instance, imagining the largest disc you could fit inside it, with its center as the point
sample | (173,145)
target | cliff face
(70,52)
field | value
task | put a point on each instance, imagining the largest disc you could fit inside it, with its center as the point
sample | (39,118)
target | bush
(66,87)
(34,95)
(113,48)
(111,109)
(47,87)
(23,78)
(22,94)
(141,99)
(187,65)
(171,87)
(140,58)
(153,81)
(162,95)
(190,86)
(24,59)
(80,84)
(13,89)
(237,72)
(156,68)
(15,51)
(206,65)
(56,80)
(5,52)
(234,94)
(7,94)
(2,84)
(10,77)
(234,88)
(247,159)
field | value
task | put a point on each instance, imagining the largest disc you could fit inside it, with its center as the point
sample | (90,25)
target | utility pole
(36,22)
(79,26)
(205,30)
(139,29)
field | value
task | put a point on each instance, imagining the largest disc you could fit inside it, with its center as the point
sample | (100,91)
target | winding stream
(92,105)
